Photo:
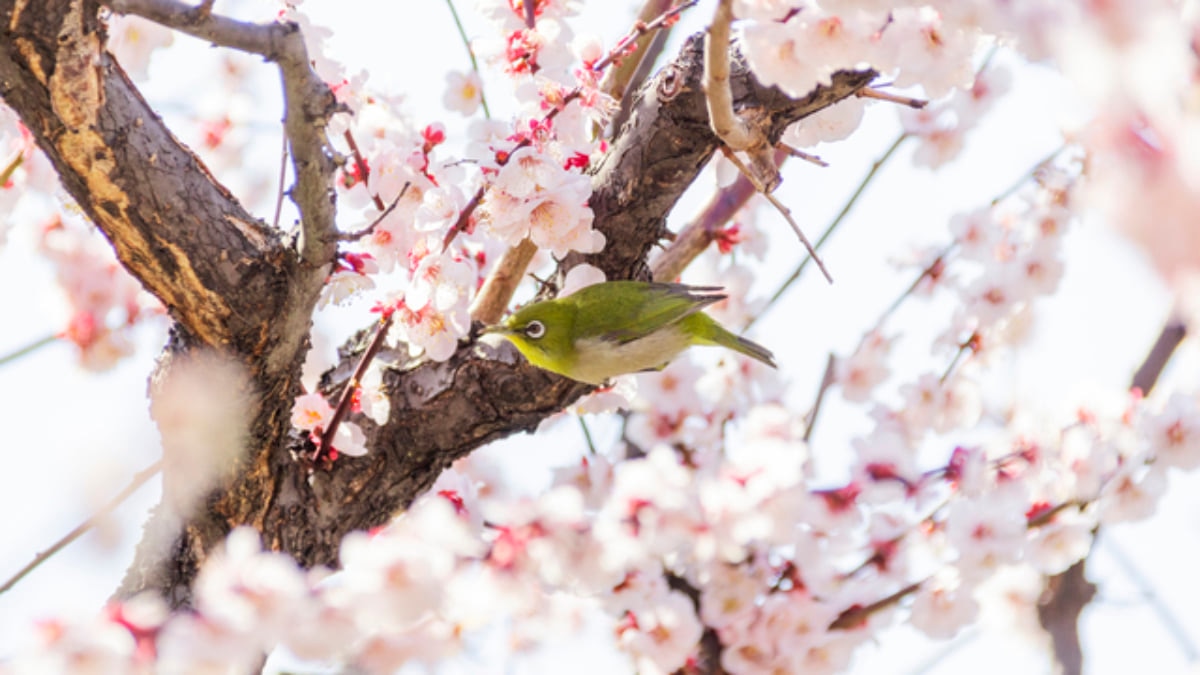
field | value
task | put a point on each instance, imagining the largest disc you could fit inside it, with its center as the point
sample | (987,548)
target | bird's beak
(494,335)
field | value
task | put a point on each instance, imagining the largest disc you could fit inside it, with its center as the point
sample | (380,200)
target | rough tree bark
(233,284)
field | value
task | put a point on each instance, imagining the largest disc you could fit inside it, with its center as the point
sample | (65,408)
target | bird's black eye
(535,329)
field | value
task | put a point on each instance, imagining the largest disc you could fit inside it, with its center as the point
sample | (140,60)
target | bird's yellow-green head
(544,334)
(619,327)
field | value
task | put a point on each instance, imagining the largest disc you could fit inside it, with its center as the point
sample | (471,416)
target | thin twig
(364,171)
(587,435)
(826,382)
(617,80)
(359,234)
(1165,616)
(800,154)
(1016,185)
(962,349)
(1173,332)
(29,348)
(695,237)
(933,269)
(1045,516)
(139,479)
(647,58)
(841,216)
(730,127)
(909,101)
(11,168)
(530,13)
(462,33)
(787,213)
(855,616)
(343,406)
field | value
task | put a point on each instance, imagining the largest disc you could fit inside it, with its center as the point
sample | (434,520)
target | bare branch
(733,131)
(359,234)
(826,382)
(695,237)
(617,79)
(29,348)
(500,285)
(139,479)
(308,104)
(360,163)
(785,211)
(364,362)
(840,217)
(909,101)
(800,154)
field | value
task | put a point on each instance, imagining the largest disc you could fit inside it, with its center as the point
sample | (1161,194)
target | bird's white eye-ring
(535,329)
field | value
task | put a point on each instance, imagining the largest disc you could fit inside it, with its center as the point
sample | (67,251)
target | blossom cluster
(105,302)
(784,568)
(709,514)
(526,178)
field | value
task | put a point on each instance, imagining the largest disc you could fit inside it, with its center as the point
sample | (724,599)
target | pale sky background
(74,439)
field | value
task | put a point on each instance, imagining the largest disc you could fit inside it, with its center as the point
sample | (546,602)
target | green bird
(619,327)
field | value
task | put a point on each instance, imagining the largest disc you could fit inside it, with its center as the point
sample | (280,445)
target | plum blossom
(1056,545)
(580,277)
(940,405)
(1132,493)
(662,635)
(534,197)
(133,41)
(806,50)
(463,92)
(200,404)
(247,591)
(943,606)
(431,330)
(834,123)
(312,413)
(929,52)
(104,301)
(987,532)
(1174,434)
(865,369)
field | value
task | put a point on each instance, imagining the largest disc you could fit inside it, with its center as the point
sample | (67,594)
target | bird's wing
(652,308)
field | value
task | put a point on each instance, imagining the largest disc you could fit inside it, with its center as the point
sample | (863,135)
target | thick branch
(228,280)
(308,102)
(177,230)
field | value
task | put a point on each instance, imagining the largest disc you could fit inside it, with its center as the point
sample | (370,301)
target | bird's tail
(753,350)
(716,334)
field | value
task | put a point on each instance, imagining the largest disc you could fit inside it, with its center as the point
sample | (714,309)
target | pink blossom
(1060,543)
(943,606)
(865,369)
(988,531)
(1174,434)
(133,41)
(463,92)
(663,635)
